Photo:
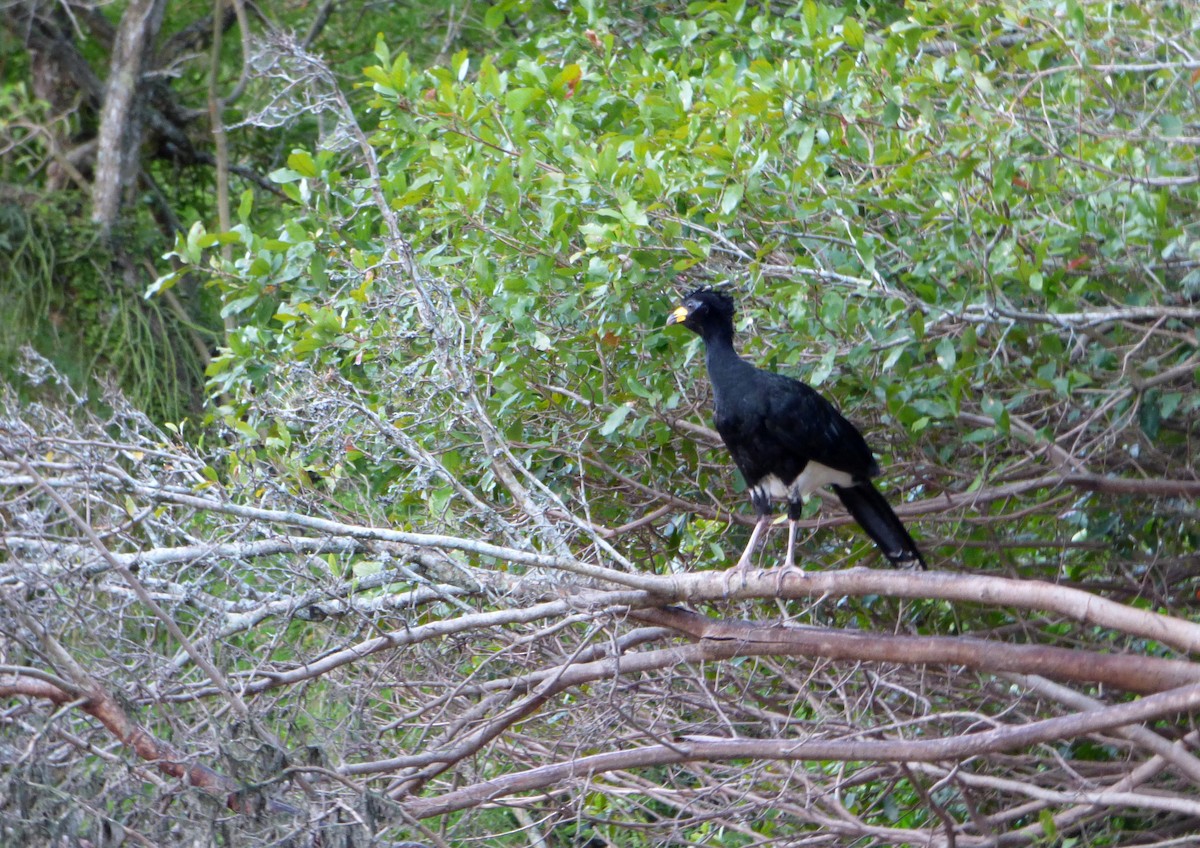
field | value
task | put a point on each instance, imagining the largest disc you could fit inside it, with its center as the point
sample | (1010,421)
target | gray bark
(120,120)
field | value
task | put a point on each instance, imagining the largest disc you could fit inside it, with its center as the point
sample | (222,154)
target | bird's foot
(787,569)
(727,583)
(742,570)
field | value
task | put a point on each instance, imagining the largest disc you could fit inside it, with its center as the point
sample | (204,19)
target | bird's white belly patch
(772,487)
(814,476)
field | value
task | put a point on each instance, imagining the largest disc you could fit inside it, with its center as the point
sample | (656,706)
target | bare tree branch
(1176,701)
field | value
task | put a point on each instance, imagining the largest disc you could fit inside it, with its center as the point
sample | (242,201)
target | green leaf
(633,214)
(489,79)
(493,18)
(731,198)
(1150,416)
(805,145)
(1046,820)
(381,49)
(946,354)
(238,305)
(164,283)
(852,32)
(245,206)
(565,81)
(824,368)
(460,63)
(615,419)
(401,70)
(209,239)
(997,411)
(1168,403)
(284,175)
(378,76)
(1170,124)
(519,99)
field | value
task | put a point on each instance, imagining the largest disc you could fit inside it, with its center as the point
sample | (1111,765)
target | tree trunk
(120,120)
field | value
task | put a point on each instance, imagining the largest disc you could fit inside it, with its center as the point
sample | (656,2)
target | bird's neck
(724,364)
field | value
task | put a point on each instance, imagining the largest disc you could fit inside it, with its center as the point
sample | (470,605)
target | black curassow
(786,439)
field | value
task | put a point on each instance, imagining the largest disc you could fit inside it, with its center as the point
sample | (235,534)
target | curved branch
(1182,700)
(720,640)
(413,635)
(1091,318)
(993,591)
(1139,674)
(1151,488)
(104,708)
(1075,604)
(1130,673)
(1175,753)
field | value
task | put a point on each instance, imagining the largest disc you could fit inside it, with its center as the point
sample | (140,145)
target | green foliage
(903,223)
(63,301)
(71,296)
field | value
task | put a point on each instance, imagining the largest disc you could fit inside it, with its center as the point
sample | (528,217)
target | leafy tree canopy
(907,222)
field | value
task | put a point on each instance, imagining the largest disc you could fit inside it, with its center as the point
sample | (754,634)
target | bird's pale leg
(795,512)
(744,561)
(789,566)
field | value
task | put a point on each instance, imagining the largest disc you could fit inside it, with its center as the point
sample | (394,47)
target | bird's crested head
(704,307)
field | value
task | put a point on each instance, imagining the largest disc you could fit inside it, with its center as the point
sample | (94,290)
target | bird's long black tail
(871,510)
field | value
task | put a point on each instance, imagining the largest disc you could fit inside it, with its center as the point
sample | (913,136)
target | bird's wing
(809,426)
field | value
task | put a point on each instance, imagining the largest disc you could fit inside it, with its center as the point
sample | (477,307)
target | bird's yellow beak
(678,316)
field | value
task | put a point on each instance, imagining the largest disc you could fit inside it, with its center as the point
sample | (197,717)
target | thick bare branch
(99,704)
(1176,701)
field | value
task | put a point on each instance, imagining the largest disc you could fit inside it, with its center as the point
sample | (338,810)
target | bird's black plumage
(786,439)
